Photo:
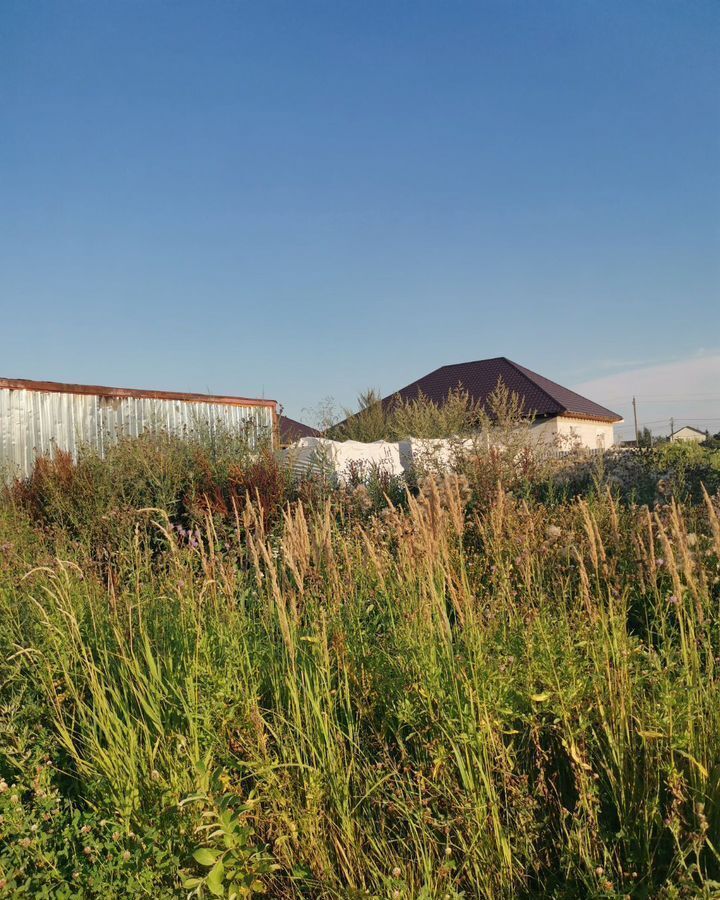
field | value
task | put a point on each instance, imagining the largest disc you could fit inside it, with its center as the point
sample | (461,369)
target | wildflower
(553,533)
(448,851)
(361,497)
(155,775)
(660,562)
(3,785)
(25,842)
(126,855)
(673,600)
(691,539)
(14,798)
(396,872)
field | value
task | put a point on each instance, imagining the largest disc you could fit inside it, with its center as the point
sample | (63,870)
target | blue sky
(303,199)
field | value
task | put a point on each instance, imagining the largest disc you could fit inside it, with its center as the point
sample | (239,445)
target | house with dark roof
(290,430)
(558,414)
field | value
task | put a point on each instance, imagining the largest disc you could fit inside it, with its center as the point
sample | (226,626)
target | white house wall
(568,432)
(585,433)
(689,434)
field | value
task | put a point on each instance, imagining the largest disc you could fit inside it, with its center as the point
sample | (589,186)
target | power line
(666,398)
(679,418)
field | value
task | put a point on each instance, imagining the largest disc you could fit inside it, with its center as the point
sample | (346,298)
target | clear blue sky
(303,199)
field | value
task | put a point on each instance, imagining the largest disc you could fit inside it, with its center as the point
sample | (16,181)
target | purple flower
(673,600)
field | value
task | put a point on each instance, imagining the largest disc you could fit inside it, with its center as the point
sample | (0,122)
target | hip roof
(540,396)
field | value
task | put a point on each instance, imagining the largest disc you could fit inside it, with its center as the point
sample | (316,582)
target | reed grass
(437,700)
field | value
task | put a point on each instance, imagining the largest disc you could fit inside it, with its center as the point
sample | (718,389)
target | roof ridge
(469,362)
(568,409)
(521,370)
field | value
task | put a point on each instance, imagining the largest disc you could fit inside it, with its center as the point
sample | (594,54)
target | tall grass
(443,699)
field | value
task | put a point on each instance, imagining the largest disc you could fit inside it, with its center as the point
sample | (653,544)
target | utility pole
(637,433)
(672,427)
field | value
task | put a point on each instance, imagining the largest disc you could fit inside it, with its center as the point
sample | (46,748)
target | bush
(400,418)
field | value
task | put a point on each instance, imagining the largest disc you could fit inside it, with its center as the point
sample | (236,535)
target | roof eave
(612,419)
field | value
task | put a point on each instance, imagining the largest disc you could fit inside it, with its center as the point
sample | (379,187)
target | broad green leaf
(215,879)
(229,840)
(205,856)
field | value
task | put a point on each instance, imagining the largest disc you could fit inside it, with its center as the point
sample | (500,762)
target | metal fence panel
(34,422)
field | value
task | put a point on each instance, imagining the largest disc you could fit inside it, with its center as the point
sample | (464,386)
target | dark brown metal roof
(541,397)
(291,430)
(21,384)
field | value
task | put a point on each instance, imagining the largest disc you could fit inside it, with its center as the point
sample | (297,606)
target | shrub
(400,418)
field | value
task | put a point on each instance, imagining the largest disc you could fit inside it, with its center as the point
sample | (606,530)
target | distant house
(558,413)
(291,430)
(688,433)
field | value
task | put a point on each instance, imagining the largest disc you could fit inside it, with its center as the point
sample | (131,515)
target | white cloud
(686,390)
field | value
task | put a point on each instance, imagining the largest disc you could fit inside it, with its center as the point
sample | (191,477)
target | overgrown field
(494,684)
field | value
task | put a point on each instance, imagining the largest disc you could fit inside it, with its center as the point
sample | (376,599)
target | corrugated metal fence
(40,417)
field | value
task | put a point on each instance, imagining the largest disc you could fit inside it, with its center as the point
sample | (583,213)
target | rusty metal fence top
(97,390)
